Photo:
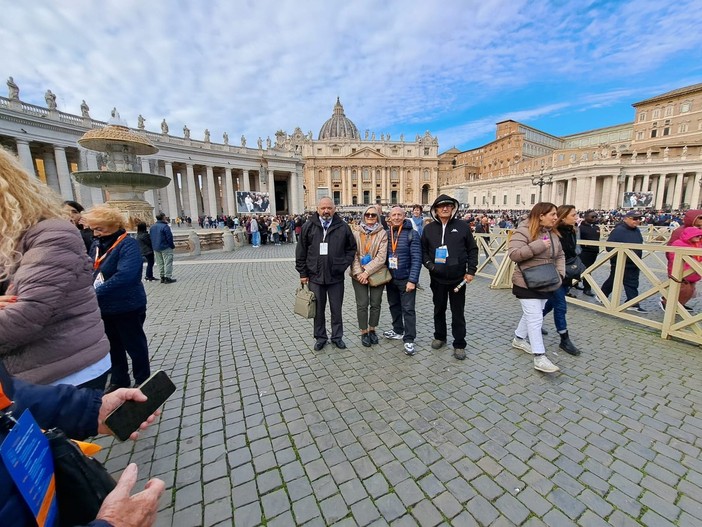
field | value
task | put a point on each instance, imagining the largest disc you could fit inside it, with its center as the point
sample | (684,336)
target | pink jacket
(684,241)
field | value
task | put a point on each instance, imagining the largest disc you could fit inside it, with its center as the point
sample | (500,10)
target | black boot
(567,346)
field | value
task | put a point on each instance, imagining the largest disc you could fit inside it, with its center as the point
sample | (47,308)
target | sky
(253,67)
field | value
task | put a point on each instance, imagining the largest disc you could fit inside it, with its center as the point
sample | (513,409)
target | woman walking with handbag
(565,224)
(537,251)
(367,271)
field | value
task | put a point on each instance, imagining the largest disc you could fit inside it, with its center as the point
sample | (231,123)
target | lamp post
(541,181)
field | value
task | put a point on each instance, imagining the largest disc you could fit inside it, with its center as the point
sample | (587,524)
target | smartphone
(127,417)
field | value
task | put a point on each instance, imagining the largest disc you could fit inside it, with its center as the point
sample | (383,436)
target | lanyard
(393,241)
(98,261)
(325,229)
(366,246)
(5,401)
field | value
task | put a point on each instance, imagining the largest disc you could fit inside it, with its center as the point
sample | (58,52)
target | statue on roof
(243,140)
(225,138)
(140,122)
(12,90)
(268,142)
(207,135)
(85,109)
(186,131)
(50,98)
(164,127)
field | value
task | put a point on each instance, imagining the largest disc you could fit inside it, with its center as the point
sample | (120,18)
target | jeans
(630,282)
(531,322)
(150,265)
(335,292)
(588,258)
(558,304)
(164,259)
(401,303)
(125,332)
(256,239)
(367,296)
(442,295)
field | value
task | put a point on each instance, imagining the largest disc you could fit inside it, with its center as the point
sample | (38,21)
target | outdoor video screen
(253,203)
(633,200)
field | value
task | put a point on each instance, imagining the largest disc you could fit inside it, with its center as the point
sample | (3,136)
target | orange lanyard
(98,261)
(366,246)
(4,399)
(393,241)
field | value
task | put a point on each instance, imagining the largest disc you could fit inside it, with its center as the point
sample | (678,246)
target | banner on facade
(634,200)
(253,203)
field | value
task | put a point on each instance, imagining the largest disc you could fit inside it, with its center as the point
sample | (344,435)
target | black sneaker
(318,345)
(168,280)
(373,337)
(365,340)
(637,309)
(339,344)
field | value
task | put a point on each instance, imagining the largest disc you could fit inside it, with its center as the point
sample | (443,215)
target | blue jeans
(558,304)
(256,239)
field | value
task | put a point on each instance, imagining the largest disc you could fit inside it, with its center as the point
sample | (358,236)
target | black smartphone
(127,417)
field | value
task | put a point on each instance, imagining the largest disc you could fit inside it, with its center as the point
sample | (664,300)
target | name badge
(99,280)
(28,460)
(366,259)
(392,262)
(441,254)
(323,249)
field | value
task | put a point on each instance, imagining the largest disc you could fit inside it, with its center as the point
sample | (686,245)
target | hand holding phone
(128,416)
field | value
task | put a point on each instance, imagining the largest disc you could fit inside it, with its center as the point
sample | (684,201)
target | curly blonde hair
(104,216)
(24,202)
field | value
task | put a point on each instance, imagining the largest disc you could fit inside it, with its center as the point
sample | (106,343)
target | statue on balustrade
(243,140)
(268,142)
(207,135)
(85,109)
(50,98)
(684,151)
(186,131)
(12,90)
(225,138)
(260,143)
(140,122)
(164,127)
(666,151)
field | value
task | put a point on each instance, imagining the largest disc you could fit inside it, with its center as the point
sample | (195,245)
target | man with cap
(451,256)
(627,231)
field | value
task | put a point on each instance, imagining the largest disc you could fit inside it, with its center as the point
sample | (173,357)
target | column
(373,185)
(644,183)
(401,193)
(229,189)
(84,196)
(592,194)
(64,174)
(349,187)
(171,191)
(211,197)
(25,156)
(50,169)
(271,189)
(677,192)
(660,191)
(359,186)
(329,182)
(150,195)
(245,182)
(630,183)
(695,200)
(96,194)
(384,185)
(192,192)
(294,192)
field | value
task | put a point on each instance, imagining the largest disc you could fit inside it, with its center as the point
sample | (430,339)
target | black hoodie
(457,237)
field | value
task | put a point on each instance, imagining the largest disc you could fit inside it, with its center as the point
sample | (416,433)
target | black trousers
(630,282)
(126,335)
(401,304)
(149,265)
(335,292)
(442,294)
(588,258)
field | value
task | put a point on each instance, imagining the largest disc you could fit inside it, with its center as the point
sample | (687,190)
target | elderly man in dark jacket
(325,250)
(451,255)
(162,245)
(405,264)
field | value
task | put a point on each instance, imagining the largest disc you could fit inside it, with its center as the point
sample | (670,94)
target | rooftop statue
(12,90)
(164,127)
(243,140)
(140,122)
(207,135)
(268,142)
(260,143)
(186,132)
(50,99)
(225,138)
(85,109)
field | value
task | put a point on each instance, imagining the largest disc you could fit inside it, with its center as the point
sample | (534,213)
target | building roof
(675,93)
(338,126)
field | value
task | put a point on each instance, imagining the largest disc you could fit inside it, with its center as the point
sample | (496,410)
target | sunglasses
(370,215)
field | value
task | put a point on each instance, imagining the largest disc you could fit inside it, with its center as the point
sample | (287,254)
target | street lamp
(541,181)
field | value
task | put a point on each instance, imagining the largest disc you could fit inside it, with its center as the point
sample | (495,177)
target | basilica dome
(339,126)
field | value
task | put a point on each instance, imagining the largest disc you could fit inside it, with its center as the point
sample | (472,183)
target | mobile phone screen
(127,417)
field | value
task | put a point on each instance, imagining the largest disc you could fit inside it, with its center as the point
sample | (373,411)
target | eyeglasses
(370,215)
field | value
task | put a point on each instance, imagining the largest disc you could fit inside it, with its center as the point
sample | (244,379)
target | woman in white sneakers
(535,242)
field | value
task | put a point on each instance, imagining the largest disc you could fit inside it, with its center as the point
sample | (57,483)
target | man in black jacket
(451,255)
(589,230)
(324,252)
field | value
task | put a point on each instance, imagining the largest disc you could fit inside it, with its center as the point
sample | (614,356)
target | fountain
(120,174)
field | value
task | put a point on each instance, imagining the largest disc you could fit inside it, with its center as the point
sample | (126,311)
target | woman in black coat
(147,251)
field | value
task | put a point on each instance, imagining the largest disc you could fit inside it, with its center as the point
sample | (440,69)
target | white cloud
(398,66)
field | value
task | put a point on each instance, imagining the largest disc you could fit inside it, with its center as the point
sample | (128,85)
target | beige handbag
(381,277)
(305,302)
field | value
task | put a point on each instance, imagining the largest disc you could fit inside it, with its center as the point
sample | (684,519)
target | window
(642,117)
(669,110)
(366,197)
(377,178)
(426,150)
(319,151)
(353,150)
(684,127)
(366,175)
(475,200)
(639,135)
(484,200)
(518,200)
(426,175)
(656,113)
(354,176)
(685,107)
(494,198)
(504,199)
(354,200)
(393,175)
(561,157)
(666,130)
(337,197)
(654,133)
(335,150)
(393,197)
(336,175)
(533,199)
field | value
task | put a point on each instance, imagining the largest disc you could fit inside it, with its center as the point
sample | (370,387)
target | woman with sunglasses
(371,254)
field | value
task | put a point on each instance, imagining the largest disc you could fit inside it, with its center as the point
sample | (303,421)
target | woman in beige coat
(371,254)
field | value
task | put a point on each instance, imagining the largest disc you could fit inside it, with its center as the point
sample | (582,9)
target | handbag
(381,277)
(574,268)
(82,482)
(305,302)
(543,277)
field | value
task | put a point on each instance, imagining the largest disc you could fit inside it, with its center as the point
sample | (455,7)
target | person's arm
(520,249)
(351,247)
(416,259)
(381,256)
(168,236)
(472,250)
(301,254)
(427,256)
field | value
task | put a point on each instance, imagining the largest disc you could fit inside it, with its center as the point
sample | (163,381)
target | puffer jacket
(54,329)
(527,253)
(408,252)
(684,241)
(378,250)
(688,221)
(122,291)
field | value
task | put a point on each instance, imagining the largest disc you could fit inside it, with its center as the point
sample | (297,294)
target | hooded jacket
(688,221)
(329,268)
(684,241)
(457,237)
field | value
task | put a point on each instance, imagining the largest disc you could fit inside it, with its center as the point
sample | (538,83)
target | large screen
(633,200)
(253,203)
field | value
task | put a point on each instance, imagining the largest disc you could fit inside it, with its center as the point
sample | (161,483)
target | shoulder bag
(543,277)
(381,277)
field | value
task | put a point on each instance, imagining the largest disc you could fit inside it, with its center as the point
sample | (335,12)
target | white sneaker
(409,348)
(522,344)
(661,303)
(542,363)
(390,334)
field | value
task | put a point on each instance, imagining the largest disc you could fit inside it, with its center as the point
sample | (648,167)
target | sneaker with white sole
(410,349)
(542,363)
(522,344)
(390,334)
(661,303)
(638,309)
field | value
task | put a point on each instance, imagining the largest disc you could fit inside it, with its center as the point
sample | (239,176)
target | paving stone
(426,514)
(390,507)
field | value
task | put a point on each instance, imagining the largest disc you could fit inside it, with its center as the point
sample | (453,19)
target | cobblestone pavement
(263,430)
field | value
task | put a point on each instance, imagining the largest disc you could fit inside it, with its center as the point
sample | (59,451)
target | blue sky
(454,67)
